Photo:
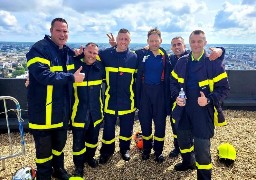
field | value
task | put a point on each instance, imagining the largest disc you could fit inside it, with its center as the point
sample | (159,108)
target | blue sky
(224,22)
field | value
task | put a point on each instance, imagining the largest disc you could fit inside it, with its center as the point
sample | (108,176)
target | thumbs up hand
(202,100)
(79,77)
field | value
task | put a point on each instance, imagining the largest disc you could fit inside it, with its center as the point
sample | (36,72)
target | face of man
(178,47)
(59,33)
(123,40)
(154,42)
(197,43)
(90,53)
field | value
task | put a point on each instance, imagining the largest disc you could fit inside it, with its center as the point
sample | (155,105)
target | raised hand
(78,51)
(215,53)
(79,77)
(112,40)
(202,100)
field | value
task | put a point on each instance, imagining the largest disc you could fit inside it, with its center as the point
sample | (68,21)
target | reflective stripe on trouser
(174,131)
(79,148)
(85,142)
(49,146)
(126,127)
(152,106)
(203,158)
(91,140)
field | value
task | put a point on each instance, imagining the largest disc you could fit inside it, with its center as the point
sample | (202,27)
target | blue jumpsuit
(153,97)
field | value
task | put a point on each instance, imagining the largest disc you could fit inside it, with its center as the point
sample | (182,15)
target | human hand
(78,51)
(202,100)
(181,101)
(27,82)
(146,47)
(79,77)
(112,40)
(215,53)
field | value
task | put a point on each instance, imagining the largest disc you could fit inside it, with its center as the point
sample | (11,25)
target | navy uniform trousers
(126,128)
(85,141)
(152,106)
(194,132)
(49,146)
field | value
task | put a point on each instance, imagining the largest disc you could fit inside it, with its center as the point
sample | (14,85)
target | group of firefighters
(66,84)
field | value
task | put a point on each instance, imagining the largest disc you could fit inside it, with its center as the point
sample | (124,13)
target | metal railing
(11,151)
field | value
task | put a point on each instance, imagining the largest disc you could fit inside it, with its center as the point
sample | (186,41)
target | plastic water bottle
(182,95)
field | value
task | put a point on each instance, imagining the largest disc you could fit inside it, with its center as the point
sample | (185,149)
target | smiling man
(120,65)
(48,99)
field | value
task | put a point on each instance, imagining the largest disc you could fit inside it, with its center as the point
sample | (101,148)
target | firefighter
(87,114)
(48,99)
(120,66)
(206,85)
(153,95)
(178,48)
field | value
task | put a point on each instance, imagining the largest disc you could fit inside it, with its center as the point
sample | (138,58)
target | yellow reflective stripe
(128,70)
(88,83)
(148,137)
(48,105)
(204,83)
(97,122)
(74,109)
(56,68)
(174,136)
(206,167)
(111,69)
(125,138)
(161,52)
(183,151)
(220,77)
(98,58)
(56,153)
(119,112)
(78,124)
(70,67)
(51,126)
(180,80)
(173,121)
(44,160)
(123,112)
(79,152)
(38,60)
(108,142)
(215,119)
(91,145)
(158,138)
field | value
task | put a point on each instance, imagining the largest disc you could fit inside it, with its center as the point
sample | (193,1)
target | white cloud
(91,20)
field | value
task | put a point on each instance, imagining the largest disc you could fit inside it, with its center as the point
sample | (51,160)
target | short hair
(178,37)
(198,32)
(91,44)
(58,19)
(123,30)
(154,31)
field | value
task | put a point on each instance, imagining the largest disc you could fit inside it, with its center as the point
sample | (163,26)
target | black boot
(61,174)
(104,158)
(159,158)
(176,151)
(79,171)
(184,166)
(125,154)
(92,162)
(145,155)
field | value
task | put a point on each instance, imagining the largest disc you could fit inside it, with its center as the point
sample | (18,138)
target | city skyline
(224,22)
